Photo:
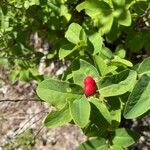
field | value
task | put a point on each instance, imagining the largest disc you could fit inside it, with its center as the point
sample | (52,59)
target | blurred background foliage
(36,31)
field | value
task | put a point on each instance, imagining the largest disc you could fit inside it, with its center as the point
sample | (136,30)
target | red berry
(89,90)
(89,80)
(89,86)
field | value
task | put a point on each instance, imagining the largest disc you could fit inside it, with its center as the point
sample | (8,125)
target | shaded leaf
(124,137)
(139,100)
(125,17)
(102,108)
(66,50)
(94,144)
(115,111)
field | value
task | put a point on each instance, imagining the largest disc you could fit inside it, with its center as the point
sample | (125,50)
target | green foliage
(59,19)
(100,38)
(98,115)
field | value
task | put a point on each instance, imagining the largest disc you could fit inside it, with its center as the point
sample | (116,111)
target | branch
(19,100)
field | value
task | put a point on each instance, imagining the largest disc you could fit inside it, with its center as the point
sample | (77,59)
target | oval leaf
(80,111)
(58,118)
(117,84)
(121,62)
(73,33)
(56,92)
(139,100)
(124,137)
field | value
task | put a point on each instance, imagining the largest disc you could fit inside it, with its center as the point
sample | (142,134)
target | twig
(20,129)
(19,100)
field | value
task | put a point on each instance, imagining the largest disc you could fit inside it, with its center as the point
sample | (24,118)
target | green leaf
(124,137)
(24,75)
(66,50)
(117,84)
(106,53)
(13,75)
(83,36)
(144,67)
(99,122)
(56,92)
(80,111)
(27,3)
(100,12)
(81,69)
(103,68)
(116,147)
(96,41)
(114,33)
(124,18)
(119,61)
(115,111)
(4,62)
(118,3)
(110,69)
(4,24)
(34,71)
(94,144)
(139,100)
(75,33)
(57,118)
(146,41)
(93,130)
(102,108)
(106,24)
(120,52)
(134,40)
(101,65)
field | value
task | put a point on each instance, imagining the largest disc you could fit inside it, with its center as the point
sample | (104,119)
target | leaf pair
(77,36)
(78,110)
